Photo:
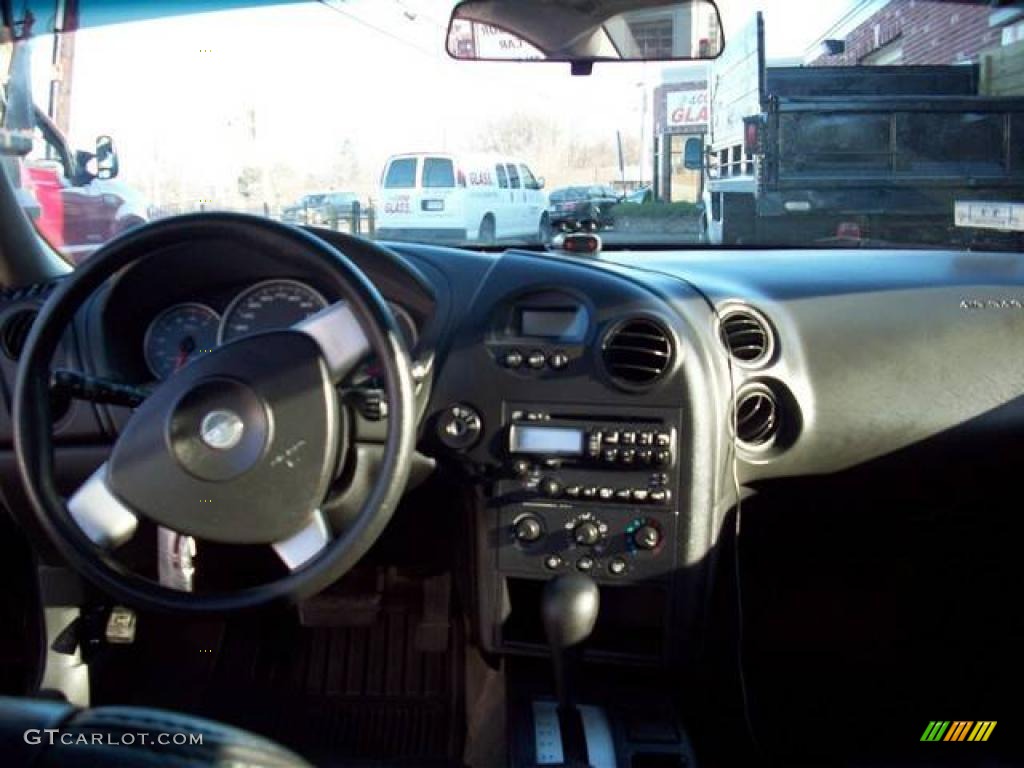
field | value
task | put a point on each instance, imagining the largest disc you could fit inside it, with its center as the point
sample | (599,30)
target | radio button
(536,359)
(663,439)
(611,438)
(512,359)
(573,491)
(594,444)
(589,492)
(623,494)
(645,455)
(627,455)
(640,495)
(605,493)
(628,438)
(610,455)
(659,495)
(550,487)
(663,457)
(645,438)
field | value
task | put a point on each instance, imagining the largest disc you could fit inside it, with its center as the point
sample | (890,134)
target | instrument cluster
(183,332)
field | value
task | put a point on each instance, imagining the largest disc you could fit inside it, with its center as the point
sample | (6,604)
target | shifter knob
(569,607)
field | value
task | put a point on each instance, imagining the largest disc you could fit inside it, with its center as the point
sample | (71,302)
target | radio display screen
(564,324)
(561,441)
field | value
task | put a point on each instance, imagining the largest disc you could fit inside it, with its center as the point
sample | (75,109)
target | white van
(459,198)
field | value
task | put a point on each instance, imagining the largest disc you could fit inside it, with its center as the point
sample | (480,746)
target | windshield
(841,123)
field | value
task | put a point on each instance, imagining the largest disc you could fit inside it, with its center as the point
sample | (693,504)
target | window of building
(653,38)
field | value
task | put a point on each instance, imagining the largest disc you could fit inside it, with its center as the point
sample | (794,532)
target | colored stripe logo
(958,730)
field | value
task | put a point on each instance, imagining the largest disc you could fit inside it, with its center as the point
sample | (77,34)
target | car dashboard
(607,413)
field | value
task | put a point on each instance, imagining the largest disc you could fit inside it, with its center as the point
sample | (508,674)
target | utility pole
(61,60)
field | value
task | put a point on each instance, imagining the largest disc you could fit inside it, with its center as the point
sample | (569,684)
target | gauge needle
(186,348)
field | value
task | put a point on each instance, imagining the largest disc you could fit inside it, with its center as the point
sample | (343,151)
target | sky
(180,92)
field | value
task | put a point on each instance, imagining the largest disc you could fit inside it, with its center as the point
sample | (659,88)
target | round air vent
(747,335)
(757,415)
(637,352)
(15,330)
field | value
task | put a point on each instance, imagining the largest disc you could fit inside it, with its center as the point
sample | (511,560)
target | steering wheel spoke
(341,339)
(301,547)
(103,518)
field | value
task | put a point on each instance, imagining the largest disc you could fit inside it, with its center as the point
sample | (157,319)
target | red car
(80,205)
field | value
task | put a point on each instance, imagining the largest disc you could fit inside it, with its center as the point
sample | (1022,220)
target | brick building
(917,32)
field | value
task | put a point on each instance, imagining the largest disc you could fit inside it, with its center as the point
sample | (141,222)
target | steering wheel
(240,446)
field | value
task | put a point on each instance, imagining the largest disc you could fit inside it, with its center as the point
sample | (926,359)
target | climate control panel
(612,545)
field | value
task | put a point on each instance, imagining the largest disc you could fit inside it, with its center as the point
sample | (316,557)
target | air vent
(757,415)
(747,336)
(637,352)
(15,330)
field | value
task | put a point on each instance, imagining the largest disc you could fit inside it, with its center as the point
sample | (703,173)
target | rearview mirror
(693,155)
(107,164)
(541,30)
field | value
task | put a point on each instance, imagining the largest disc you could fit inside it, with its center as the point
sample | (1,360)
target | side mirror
(540,182)
(107,164)
(693,155)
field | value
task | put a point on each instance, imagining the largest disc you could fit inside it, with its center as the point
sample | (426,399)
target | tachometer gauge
(179,335)
(269,306)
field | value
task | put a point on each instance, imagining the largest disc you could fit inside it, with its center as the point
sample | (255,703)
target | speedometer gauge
(179,335)
(269,306)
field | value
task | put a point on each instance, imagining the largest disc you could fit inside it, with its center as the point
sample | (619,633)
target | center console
(588,489)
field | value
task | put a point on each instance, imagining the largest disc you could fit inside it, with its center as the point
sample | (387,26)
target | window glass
(502,176)
(438,172)
(401,174)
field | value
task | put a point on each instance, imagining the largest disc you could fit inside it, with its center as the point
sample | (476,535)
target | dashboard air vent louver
(757,415)
(15,330)
(637,352)
(747,336)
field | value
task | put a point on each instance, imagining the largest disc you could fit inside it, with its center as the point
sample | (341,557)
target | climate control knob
(647,537)
(587,533)
(527,529)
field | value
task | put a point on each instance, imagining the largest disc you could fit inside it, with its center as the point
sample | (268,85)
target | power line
(379,30)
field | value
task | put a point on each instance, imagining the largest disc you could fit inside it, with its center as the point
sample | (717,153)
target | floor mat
(344,696)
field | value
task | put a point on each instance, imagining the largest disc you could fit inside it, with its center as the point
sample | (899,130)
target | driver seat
(113,736)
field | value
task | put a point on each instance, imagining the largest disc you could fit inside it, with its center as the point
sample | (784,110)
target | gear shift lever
(569,607)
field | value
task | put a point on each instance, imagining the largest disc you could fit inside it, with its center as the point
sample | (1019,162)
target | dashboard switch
(459,427)
(552,562)
(558,360)
(536,359)
(513,359)
(617,566)
(585,564)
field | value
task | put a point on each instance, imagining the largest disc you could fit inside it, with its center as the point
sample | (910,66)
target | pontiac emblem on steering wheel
(221,429)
